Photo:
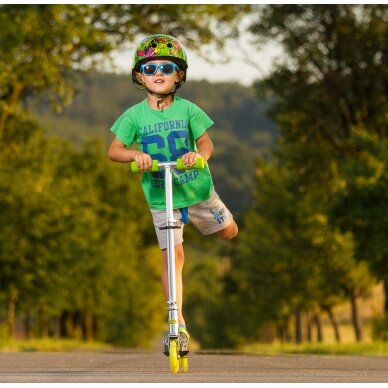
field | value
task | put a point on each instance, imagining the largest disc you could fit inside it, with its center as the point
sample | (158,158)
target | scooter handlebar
(154,167)
(199,163)
(157,166)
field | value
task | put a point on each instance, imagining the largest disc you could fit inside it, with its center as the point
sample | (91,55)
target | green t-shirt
(167,135)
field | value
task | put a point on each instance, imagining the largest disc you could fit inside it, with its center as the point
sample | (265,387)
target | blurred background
(298,94)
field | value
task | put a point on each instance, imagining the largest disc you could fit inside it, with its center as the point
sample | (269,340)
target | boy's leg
(179,261)
(212,216)
(230,232)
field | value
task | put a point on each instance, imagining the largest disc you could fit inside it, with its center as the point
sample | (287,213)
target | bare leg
(229,232)
(179,260)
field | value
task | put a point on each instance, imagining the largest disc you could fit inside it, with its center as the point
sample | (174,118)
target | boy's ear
(139,77)
(181,75)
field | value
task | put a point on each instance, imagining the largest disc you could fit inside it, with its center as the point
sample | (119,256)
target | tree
(330,92)
(360,205)
(39,44)
(291,258)
(60,209)
(71,244)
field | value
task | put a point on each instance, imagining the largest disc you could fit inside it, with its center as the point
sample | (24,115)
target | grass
(51,345)
(350,349)
(348,346)
(67,345)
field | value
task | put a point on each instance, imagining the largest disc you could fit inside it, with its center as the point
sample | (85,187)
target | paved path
(141,367)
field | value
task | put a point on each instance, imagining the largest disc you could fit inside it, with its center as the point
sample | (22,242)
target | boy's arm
(205,149)
(119,153)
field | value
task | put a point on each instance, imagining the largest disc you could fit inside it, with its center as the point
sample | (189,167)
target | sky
(236,70)
(239,68)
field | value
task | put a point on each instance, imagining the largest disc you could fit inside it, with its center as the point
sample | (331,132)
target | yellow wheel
(184,364)
(174,361)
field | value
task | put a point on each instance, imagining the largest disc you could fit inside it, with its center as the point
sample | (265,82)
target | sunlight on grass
(51,345)
(355,349)
(67,345)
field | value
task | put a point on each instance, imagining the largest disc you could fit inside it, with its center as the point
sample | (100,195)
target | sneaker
(183,342)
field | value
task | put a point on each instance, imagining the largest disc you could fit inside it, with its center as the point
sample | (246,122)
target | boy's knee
(230,232)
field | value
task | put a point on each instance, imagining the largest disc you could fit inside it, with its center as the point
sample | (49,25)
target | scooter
(178,360)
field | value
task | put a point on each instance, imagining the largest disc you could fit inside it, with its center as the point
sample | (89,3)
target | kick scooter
(172,344)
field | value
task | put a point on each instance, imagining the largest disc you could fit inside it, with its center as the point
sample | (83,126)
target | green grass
(50,345)
(67,345)
(354,349)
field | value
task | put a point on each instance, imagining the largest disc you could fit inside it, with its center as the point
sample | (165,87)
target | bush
(380,328)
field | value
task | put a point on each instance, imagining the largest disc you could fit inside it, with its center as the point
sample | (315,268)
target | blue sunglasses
(165,68)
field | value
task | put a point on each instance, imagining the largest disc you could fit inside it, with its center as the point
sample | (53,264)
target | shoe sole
(184,344)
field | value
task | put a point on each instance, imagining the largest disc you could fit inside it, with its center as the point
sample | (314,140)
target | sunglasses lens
(149,69)
(167,68)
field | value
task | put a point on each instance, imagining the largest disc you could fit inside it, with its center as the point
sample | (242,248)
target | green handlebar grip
(199,163)
(134,167)
(154,167)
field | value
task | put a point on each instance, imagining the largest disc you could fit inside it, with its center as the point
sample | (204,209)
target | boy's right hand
(143,161)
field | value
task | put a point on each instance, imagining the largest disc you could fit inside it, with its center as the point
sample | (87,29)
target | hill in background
(241,132)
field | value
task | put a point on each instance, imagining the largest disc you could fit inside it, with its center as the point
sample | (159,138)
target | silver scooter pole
(171,224)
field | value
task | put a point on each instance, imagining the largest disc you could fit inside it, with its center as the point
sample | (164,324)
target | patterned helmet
(159,46)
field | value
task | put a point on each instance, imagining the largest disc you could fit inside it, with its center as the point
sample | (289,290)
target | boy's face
(160,82)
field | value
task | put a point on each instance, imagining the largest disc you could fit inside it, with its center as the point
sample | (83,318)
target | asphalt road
(150,367)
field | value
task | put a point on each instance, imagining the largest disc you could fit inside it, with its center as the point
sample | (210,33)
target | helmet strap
(161,96)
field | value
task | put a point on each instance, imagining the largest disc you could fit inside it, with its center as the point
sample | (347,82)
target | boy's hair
(159,46)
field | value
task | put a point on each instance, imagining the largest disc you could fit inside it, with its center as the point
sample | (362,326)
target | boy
(166,127)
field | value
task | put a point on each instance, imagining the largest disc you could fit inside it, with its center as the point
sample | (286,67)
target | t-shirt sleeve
(124,129)
(199,121)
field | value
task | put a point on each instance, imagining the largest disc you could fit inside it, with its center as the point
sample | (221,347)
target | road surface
(133,366)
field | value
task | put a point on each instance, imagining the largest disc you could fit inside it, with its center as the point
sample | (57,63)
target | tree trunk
(283,331)
(11,320)
(318,325)
(268,330)
(57,327)
(309,327)
(334,324)
(67,325)
(43,323)
(385,288)
(89,326)
(355,317)
(27,325)
(298,326)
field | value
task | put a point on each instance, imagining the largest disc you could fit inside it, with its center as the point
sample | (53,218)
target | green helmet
(159,46)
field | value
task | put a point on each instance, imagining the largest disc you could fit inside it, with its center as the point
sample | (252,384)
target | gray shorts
(208,217)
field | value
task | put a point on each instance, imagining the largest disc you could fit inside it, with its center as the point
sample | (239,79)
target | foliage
(334,73)
(380,328)
(62,209)
(76,242)
(40,44)
(360,205)
(71,244)
(211,308)
(290,257)
(312,225)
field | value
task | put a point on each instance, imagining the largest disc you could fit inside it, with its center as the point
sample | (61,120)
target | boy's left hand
(190,158)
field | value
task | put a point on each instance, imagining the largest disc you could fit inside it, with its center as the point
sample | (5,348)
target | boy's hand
(143,161)
(190,157)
